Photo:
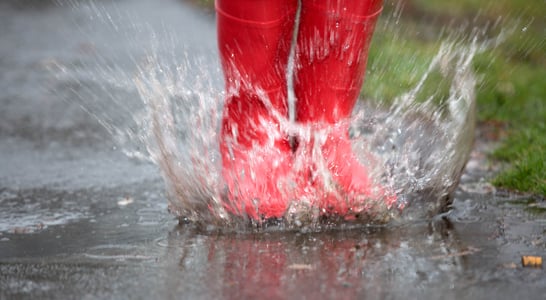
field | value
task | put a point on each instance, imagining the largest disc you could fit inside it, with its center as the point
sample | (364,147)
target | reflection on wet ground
(125,244)
(78,219)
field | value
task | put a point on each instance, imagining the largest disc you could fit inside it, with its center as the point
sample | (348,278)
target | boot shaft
(254,40)
(331,57)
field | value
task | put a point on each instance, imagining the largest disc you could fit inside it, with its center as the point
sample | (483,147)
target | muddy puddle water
(83,211)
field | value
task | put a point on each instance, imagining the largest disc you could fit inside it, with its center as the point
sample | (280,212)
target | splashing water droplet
(416,149)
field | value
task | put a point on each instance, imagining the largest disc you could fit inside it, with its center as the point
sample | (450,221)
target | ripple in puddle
(118,253)
(34,210)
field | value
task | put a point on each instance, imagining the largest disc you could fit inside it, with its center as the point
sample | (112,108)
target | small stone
(531,261)
(125,201)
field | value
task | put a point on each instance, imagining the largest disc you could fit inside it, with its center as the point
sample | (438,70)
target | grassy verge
(511,92)
(512,88)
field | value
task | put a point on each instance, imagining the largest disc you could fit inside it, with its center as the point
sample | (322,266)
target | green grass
(512,86)
(524,151)
(402,61)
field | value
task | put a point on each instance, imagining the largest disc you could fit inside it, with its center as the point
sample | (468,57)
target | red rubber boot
(254,41)
(331,56)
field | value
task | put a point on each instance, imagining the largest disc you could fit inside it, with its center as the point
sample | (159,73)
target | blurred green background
(511,88)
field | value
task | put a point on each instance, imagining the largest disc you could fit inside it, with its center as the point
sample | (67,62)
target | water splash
(181,126)
(419,148)
(425,145)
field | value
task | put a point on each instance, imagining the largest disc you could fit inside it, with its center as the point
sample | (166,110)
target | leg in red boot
(254,41)
(331,55)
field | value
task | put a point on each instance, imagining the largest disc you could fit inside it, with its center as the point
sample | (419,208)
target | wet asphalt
(80,219)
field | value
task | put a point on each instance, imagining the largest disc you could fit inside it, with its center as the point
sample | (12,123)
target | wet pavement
(81,219)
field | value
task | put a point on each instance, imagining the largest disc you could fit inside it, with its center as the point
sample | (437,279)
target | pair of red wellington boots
(254,38)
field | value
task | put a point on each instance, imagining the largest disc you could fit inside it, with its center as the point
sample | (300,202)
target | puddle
(97,227)
(32,212)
